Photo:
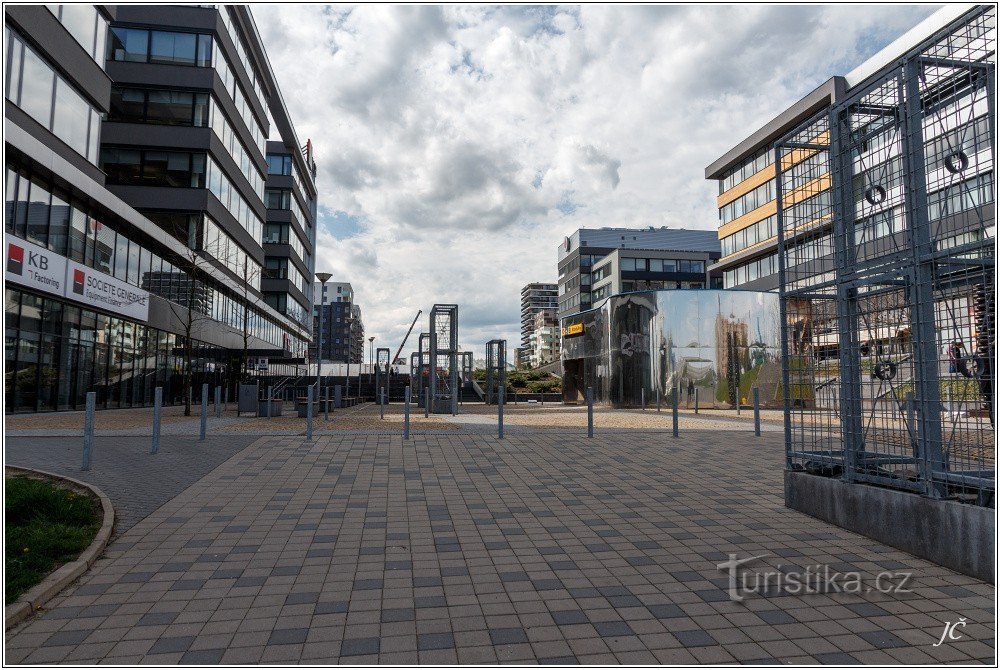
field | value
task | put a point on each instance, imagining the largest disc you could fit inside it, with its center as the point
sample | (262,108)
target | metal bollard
(406,414)
(657,399)
(756,411)
(677,392)
(696,401)
(642,398)
(157,409)
(225,400)
(500,413)
(88,429)
(427,401)
(218,402)
(381,403)
(204,412)
(326,404)
(270,395)
(590,411)
(309,413)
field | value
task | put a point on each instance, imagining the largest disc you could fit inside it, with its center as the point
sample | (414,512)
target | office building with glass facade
(595,263)
(746,174)
(134,222)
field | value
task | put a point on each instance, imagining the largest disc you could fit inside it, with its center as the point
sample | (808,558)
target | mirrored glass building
(639,347)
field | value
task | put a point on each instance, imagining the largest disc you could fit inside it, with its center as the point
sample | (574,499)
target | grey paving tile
(359,646)
(287,636)
(430,641)
(694,638)
(166,645)
(508,636)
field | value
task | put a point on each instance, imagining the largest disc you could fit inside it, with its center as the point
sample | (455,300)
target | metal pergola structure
(465,365)
(381,371)
(496,369)
(443,376)
(423,366)
(886,232)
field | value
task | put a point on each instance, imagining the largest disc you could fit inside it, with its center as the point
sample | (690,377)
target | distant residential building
(597,262)
(343,331)
(544,338)
(535,297)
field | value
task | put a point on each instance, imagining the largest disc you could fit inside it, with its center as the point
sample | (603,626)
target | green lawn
(47,526)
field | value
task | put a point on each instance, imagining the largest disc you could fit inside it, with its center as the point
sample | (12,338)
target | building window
(50,100)
(277,198)
(154,168)
(87,26)
(160,46)
(173,108)
(279,164)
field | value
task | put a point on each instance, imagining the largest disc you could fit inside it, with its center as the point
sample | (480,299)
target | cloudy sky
(457,146)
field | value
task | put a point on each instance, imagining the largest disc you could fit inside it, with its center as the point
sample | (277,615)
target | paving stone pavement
(136,482)
(467,549)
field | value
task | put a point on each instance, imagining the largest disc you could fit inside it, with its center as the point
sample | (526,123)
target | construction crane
(403,343)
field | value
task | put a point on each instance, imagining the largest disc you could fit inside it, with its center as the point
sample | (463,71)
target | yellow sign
(574,329)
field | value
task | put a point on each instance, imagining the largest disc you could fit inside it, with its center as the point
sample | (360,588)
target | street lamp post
(371,359)
(323,277)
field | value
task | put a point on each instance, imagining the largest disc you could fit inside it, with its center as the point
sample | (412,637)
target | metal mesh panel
(423,366)
(443,371)
(886,235)
(496,369)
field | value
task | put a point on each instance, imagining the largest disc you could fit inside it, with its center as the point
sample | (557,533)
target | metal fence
(886,227)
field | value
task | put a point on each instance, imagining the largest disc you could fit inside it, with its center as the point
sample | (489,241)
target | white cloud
(466,141)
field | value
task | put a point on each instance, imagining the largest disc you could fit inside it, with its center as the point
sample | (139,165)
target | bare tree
(183,300)
(251,277)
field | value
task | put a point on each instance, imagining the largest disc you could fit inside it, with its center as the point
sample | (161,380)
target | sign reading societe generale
(39,269)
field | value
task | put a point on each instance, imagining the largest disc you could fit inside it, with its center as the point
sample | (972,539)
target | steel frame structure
(496,369)
(423,366)
(465,365)
(886,235)
(381,371)
(444,358)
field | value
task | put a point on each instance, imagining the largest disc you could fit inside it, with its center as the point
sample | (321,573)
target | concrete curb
(36,597)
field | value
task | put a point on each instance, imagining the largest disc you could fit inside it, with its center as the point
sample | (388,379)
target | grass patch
(47,526)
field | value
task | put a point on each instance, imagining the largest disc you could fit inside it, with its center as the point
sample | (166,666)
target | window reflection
(51,101)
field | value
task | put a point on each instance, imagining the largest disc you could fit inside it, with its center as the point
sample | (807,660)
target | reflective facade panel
(720,343)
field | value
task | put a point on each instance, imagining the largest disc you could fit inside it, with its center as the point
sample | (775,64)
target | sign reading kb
(39,269)
(35,266)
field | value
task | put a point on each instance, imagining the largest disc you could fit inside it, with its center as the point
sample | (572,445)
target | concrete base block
(958,536)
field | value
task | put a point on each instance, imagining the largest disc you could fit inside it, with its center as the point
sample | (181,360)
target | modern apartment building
(343,330)
(135,170)
(544,338)
(535,297)
(597,262)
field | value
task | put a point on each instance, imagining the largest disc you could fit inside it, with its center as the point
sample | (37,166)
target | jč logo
(15,259)
(78,279)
